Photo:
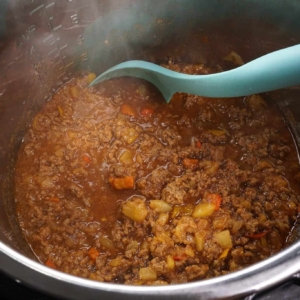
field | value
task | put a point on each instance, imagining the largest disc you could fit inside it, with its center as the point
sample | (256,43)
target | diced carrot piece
(190,163)
(257,235)
(216,199)
(49,263)
(86,158)
(54,199)
(128,110)
(179,257)
(93,253)
(199,145)
(122,183)
(147,112)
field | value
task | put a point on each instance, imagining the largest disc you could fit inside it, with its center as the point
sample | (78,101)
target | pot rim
(252,279)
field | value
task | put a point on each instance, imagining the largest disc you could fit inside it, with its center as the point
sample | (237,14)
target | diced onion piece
(200,240)
(72,135)
(160,206)
(162,236)
(162,219)
(262,218)
(186,210)
(126,157)
(170,262)
(130,135)
(217,132)
(145,246)
(132,245)
(147,274)
(74,92)
(246,204)
(203,210)
(234,57)
(211,167)
(188,250)
(232,265)
(139,159)
(135,210)
(107,244)
(116,262)
(90,77)
(142,90)
(223,238)
(262,165)
(176,211)
(237,225)
(60,110)
(264,242)
(256,102)
(224,254)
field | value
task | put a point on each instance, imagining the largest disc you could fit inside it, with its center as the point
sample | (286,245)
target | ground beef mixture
(115,185)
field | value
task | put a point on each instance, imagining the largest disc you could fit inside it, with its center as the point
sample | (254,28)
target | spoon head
(140,69)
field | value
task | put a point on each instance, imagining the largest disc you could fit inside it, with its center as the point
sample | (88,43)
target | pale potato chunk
(170,262)
(135,209)
(147,274)
(160,206)
(130,135)
(223,238)
(126,157)
(200,240)
(203,210)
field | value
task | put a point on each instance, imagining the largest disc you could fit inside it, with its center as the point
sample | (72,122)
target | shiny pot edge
(250,280)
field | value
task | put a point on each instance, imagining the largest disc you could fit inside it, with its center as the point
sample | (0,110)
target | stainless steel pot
(44,42)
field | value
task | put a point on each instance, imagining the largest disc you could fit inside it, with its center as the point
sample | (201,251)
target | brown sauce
(115,185)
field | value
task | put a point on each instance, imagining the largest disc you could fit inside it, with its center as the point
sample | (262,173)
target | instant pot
(45,42)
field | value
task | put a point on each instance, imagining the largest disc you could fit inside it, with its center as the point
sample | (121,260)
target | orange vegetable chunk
(93,253)
(147,112)
(216,199)
(49,263)
(123,183)
(190,163)
(128,110)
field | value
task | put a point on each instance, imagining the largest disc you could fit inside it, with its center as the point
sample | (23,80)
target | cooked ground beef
(112,184)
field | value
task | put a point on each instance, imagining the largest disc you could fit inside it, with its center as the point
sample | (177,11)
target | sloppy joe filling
(115,185)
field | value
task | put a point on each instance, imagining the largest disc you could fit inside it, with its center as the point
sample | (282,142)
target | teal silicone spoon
(273,71)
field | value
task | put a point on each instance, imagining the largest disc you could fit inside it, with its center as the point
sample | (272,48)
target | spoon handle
(273,71)
(279,69)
